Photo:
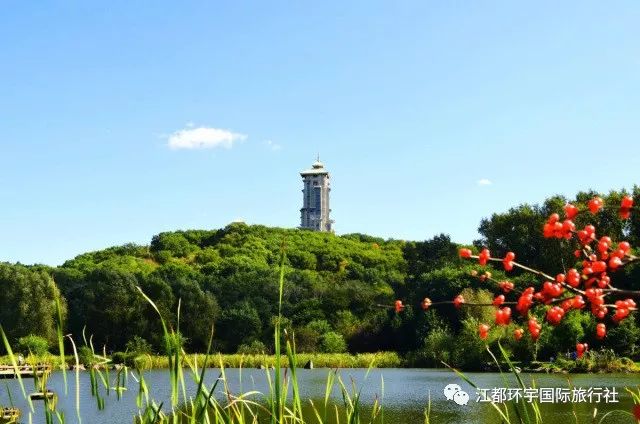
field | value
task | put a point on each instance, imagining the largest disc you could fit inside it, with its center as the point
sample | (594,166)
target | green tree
(138,345)
(28,303)
(333,342)
(33,344)
(110,306)
(238,325)
(175,243)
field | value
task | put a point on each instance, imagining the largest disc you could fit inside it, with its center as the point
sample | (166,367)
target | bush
(256,347)
(86,357)
(438,346)
(333,342)
(138,345)
(470,351)
(604,360)
(320,326)
(126,358)
(33,344)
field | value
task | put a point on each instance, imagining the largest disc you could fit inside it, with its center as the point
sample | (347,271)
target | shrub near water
(593,361)
(33,344)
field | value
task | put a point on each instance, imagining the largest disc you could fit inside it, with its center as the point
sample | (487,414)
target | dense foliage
(339,291)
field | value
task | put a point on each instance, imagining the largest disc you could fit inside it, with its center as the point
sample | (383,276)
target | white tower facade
(314,214)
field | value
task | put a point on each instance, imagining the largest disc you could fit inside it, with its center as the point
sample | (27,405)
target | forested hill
(229,278)
(339,290)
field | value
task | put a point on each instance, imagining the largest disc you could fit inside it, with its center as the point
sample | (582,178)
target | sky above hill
(121,120)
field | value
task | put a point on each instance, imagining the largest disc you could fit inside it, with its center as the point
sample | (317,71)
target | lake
(405,395)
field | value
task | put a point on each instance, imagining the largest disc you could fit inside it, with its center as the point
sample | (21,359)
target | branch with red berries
(591,286)
(588,287)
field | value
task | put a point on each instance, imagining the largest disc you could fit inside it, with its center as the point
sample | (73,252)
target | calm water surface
(405,394)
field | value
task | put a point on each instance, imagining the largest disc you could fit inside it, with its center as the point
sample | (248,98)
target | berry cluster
(590,285)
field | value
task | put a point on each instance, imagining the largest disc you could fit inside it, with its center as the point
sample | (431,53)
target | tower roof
(316,169)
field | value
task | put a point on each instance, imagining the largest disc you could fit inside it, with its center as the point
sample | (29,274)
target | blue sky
(410,105)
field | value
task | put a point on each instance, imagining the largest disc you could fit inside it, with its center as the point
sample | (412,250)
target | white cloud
(484,182)
(273,146)
(203,138)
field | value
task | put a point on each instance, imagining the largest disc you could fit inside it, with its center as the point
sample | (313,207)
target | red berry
(603,246)
(615,262)
(465,253)
(535,331)
(599,311)
(518,333)
(627,202)
(570,211)
(624,246)
(507,262)
(566,304)
(399,307)
(483,329)
(601,331)
(525,301)
(503,316)
(554,315)
(458,301)
(506,286)
(552,289)
(599,266)
(581,348)
(568,227)
(577,302)
(595,204)
(484,256)
(573,278)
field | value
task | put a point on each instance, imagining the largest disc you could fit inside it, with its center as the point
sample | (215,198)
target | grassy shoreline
(319,360)
(335,360)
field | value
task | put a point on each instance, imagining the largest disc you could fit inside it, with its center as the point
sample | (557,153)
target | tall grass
(281,405)
(236,360)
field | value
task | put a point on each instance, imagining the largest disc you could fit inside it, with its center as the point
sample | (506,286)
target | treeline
(338,296)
